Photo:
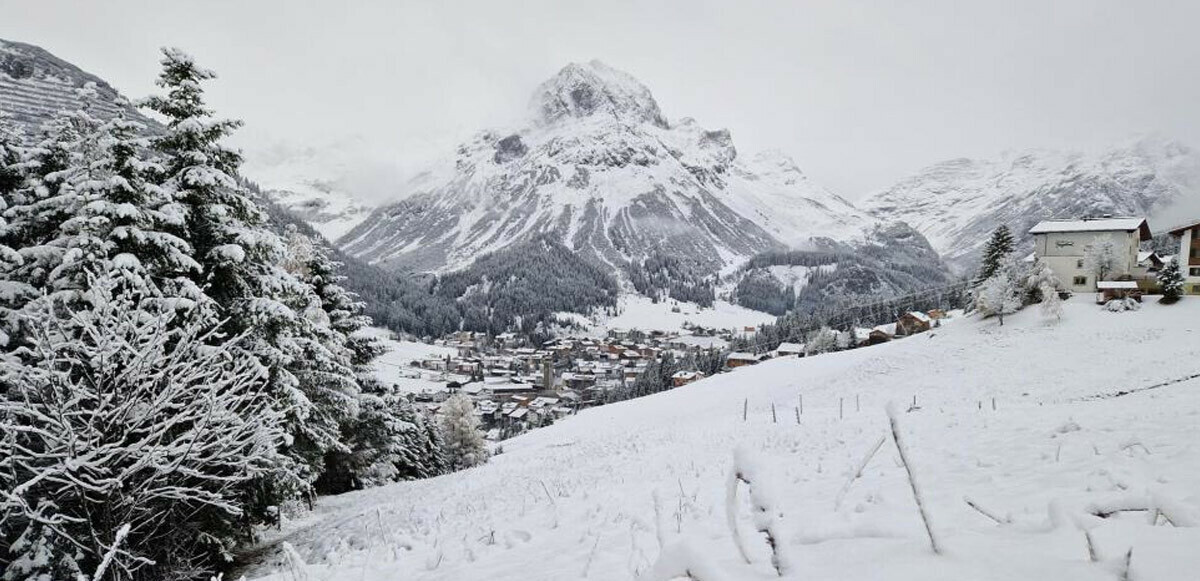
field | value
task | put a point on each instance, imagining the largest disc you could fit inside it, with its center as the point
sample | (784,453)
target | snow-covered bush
(1125,304)
(1040,278)
(119,416)
(461,438)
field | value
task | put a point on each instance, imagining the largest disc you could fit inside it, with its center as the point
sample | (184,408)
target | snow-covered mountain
(957,203)
(313,183)
(35,85)
(601,168)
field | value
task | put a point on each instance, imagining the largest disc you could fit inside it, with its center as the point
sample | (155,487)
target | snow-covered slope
(600,167)
(957,203)
(611,492)
(35,85)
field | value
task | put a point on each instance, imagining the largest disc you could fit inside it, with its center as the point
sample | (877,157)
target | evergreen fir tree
(240,270)
(1170,279)
(998,248)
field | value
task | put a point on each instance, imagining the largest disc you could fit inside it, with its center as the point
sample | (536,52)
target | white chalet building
(1061,244)
(1189,256)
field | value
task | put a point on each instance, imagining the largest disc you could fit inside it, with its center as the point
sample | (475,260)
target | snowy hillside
(35,85)
(1022,420)
(600,167)
(957,203)
(639,312)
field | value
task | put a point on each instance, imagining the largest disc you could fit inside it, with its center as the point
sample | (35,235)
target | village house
(1189,256)
(881,334)
(913,322)
(682,378)
(740,359)
(790,350)
(1062,245)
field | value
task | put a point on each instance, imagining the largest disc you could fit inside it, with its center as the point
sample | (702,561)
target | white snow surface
(637,490)
(394,366)
(642,313)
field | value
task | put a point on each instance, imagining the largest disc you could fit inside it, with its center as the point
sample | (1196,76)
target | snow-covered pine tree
(12,178)
(1170,280)
(48,195)
(999,246)
(1100,257)
(240,260)
(461,439)
(127,413)
(123,219)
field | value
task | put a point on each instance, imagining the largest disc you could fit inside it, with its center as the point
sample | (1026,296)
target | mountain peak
(581,90)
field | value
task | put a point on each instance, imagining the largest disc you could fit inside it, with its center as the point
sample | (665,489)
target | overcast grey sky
(859,93)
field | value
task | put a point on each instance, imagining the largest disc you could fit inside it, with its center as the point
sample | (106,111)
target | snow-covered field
(394,368)
(639,312)
(639,489)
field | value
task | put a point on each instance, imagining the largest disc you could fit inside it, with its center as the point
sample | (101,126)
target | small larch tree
(461,439)
(1001,294)
(1100,258)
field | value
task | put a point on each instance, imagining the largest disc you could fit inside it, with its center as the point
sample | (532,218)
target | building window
(1080,281)
(1194,272)
(1079,263)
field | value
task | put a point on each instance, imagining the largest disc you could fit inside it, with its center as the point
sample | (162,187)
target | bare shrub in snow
(118,417)
(1100,257)
(905,458)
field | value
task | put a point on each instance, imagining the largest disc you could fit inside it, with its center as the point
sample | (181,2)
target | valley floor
(638,489)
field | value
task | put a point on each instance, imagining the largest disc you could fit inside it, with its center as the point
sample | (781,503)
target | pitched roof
(1116,284)
(1094,225)
(1178,230)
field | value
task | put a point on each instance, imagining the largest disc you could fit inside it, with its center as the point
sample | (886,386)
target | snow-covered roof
(791,348)
(742,356)
(1116,284)
(1178,230)
(1094,225)
(918,315)
(518,413)
(685,374)
(889,328)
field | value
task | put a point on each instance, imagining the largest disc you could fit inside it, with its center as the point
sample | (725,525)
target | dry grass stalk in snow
(894,420)
(766,516)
